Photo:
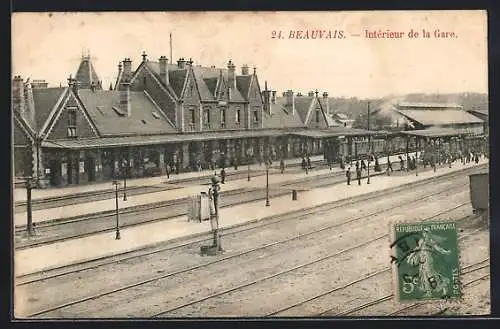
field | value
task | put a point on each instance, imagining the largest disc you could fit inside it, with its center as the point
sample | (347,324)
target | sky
(49,46)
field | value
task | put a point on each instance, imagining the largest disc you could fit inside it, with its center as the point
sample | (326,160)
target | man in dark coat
(304,163)
(348,175)
(282,165)
(358,175)
(222,176)
(309,162)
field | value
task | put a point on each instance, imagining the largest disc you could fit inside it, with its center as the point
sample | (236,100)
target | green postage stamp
(426,262)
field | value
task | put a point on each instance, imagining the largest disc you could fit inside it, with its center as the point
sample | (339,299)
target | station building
(178,116)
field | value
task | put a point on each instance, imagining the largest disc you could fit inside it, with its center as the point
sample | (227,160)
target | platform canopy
(434,132)
(121,141)
(334,132)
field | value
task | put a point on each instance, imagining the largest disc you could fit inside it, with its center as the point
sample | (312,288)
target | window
(223,115)
(193,116)
(317,116)
(255,116)
(238,116)
(72,123)
(71,117)
(207,115)
(72,132)
(144,81)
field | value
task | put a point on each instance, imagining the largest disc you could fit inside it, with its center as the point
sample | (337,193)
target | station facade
(166,116)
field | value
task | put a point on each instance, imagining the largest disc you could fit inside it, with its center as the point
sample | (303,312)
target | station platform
(100,245)
(73,210)
(20,193)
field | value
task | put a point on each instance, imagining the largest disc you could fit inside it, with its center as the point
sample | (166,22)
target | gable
(315,116)
(59,129)
(191,95)
(254,94)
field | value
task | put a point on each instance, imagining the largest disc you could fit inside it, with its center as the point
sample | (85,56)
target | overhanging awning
(437,132)
(335,132)
(121,141)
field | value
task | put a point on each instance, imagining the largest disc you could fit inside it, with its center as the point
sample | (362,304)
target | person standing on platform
(358,175)
(389,166)
(282,165)
(348,175)
(222,176)
(303,163)
(309,163)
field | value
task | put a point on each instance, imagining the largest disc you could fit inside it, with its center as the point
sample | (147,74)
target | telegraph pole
(116,183)
(29,227)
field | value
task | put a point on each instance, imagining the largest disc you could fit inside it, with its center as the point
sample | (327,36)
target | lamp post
(116,184)
(125,172)
(267,183)
(417,147)
(29,227)
(369,146)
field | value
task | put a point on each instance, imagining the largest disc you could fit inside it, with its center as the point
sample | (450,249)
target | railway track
(383,275)
(156,278)
(53,231)
(222,297)
(198,238)
(69,199)
(83,226)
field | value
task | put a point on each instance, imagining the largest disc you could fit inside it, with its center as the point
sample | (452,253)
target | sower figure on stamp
(423,257)
(348,175)
(358,175)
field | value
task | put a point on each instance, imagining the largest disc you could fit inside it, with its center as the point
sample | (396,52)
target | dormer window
(71,128)
(238,115)
(256,116)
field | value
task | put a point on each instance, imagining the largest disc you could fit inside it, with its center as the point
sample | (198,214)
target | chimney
(73,84)
(290,101)
(125,98)
(93,86)
(310,94)
(39,84)
(266,95)
(18,101)
(231,75)
(190,62)
(127,69)
(273,96)
(181,63)
(164,70)
(327,102)
(244,69)
(144,56)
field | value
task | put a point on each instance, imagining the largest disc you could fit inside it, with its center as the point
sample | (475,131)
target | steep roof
(280,117)
(302,106)
(328,119)
(44,101)
(434,116)
(243,83)
(145,118)
(86,74)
